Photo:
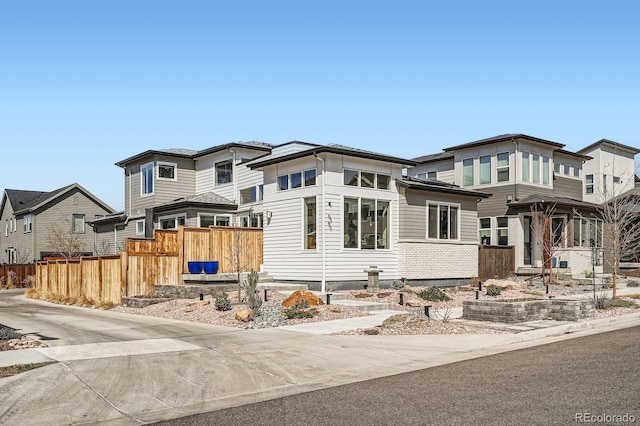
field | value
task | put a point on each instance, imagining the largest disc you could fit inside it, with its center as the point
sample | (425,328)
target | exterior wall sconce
(268,214)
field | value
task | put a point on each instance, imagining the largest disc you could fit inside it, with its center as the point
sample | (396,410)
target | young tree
(547,238)
(63,241)
(239,251)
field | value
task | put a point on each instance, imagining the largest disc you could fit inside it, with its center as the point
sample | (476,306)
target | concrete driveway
(126,369)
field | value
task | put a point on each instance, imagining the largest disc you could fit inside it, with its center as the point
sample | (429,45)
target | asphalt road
(555,384)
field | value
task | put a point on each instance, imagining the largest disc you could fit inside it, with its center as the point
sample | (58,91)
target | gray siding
(567,187)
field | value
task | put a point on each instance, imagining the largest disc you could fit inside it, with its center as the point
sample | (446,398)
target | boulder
(405,320)
(301,296)
(413,303)
(200,303)
(244,315)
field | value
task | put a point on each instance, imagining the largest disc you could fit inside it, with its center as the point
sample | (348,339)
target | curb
(619,322)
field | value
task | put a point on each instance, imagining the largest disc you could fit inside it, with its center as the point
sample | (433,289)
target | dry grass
(12,370)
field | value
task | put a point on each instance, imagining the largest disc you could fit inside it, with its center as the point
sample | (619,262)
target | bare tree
(547,238)
(23,256)
(621,230)
(239,251)
(63,241)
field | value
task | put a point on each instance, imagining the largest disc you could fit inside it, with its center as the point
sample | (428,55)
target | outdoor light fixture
(268,214)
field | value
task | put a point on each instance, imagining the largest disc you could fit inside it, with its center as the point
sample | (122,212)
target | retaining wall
(522,310)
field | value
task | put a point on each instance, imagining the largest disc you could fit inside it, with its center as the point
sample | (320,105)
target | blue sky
(85,84)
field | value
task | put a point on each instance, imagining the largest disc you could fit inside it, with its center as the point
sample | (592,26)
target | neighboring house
(167,188)
(33,219)
(332,212)
(523,174)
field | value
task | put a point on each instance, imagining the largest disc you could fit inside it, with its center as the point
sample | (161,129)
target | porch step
(529,271)
(341,299)
(281,287)
(263,277)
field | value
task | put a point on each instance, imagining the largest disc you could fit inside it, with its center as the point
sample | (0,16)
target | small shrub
(397,285)
(601,300)
(293,312)
(32,293)
(251,290)
(588,273)
(633,283)
(222,302)
(493,290)
(621,303)
(634,296)
(433,294)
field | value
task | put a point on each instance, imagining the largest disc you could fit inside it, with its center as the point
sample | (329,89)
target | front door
(527,240)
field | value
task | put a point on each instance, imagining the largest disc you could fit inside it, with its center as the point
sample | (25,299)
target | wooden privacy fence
(496,262)
(15,275)
(148,262)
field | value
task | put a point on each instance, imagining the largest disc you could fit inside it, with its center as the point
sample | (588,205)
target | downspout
(515,191)
(323,287)
(234,177)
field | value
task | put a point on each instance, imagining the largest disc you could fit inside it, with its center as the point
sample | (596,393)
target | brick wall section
(522,310)
(425,260)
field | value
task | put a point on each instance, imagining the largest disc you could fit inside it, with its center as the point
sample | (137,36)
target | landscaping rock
(200,303)
(404,320)
(301,296)
(413,303)
(244,315)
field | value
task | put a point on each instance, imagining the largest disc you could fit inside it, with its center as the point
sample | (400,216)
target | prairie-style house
(527,175)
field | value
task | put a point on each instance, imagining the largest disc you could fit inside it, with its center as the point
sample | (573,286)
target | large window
(167,171)
(207,220)
(251,195)
(557,231)
(442,221)
(224,172)
(485,169)
(526,166)
(366,179)
(366,224)
(536,168)
(310,221)
(77,222)
(589,184)
(503,167)
(467,172)
(546,171)
(297,180)
(587,232)
(484,228)
(502,231)
(146,179)
(27,223)
(172,222)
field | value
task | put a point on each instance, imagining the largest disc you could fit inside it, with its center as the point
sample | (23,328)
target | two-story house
(167,188)
(39,224)
(525,175)
(332,212)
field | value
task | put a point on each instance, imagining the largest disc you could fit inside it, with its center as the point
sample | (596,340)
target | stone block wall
(523,310)
(191,291)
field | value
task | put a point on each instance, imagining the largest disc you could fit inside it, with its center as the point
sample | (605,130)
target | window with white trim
(432,175)
(557,231)
(224,172)
(297,180)
(485,169)
(589,184)
(27,223)
(146,179)
(77,222)
(139,227)
(587,232)
(502,231)
(526,166)
(467,172)
(484,229)
(503,167)
(536,168)
(172,222)
(366,223)
(546,171)
(309,223)
(442,221)
(167,170)
(366,179)
(252,194)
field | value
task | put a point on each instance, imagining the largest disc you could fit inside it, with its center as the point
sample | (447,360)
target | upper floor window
(484,228)
(589,184)
(167,171)
(146,179)
(77,224)
(556,167)
(616,179)
(485,169)
(6,228)
(567,170)
(546,171)
(442,221)
(536,168)
(366,179)
(297,180)
(224,172)
(526,166)
(576,171)
(27,223)
(503,167)
(467,172)
(251,194)
(432,175)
